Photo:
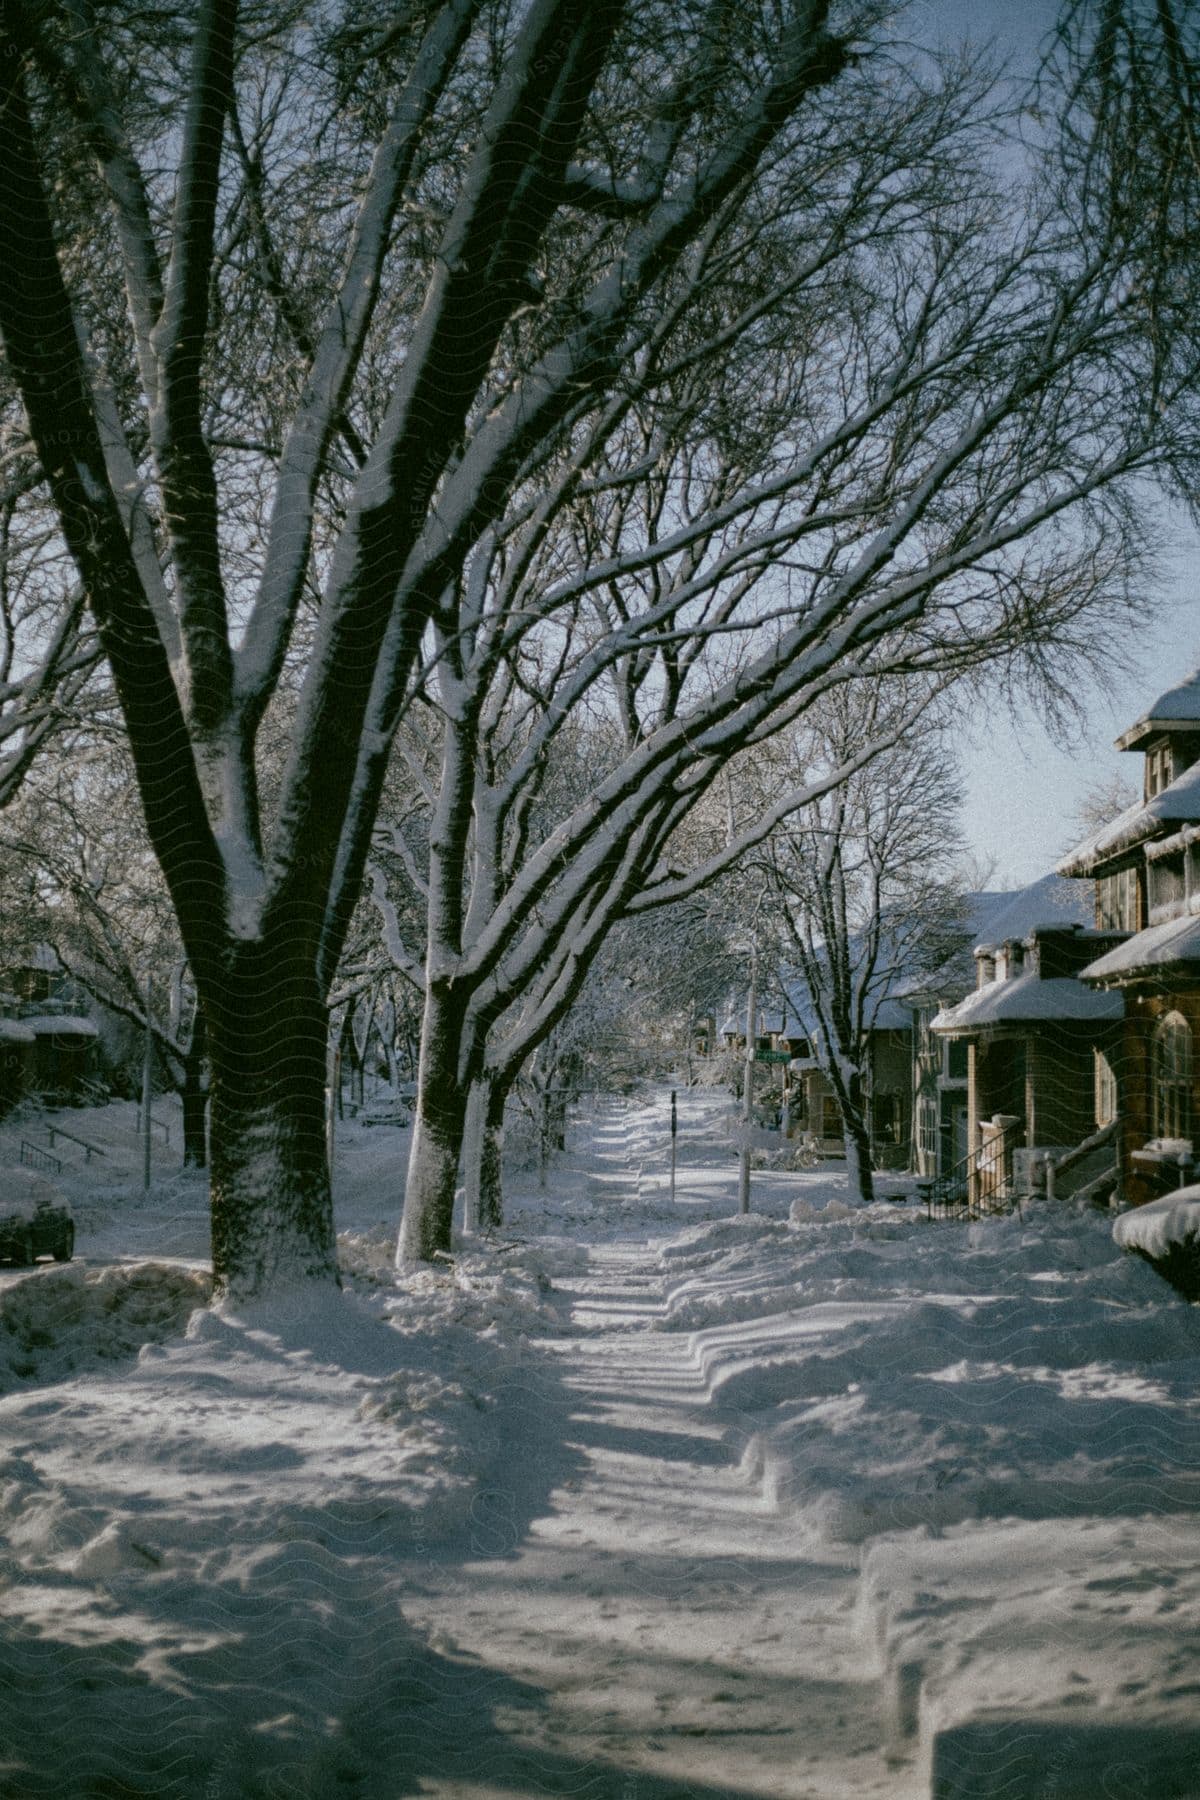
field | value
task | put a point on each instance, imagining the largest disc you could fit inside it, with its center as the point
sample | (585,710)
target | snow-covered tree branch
(473,359)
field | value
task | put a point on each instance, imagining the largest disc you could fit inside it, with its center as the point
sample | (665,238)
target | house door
(958,1136)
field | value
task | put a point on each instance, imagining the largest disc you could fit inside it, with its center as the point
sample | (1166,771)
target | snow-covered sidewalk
(642,1501)
(666,1633)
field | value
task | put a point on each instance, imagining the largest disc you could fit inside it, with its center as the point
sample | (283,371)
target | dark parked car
(46,1229)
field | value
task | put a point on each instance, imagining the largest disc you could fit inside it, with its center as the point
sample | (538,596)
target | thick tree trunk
(426,1228)
(272,1213)
(857,1141)
(483,1154)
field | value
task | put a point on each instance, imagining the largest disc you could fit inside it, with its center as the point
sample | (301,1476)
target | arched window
(1173,1078)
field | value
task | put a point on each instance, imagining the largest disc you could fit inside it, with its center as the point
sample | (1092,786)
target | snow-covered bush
(1167,1233)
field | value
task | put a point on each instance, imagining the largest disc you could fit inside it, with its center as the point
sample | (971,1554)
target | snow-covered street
(641,1501)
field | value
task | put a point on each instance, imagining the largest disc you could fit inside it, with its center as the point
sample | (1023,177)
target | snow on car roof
(1160,1224)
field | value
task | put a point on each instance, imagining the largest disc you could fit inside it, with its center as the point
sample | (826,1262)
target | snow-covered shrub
(1167,1233)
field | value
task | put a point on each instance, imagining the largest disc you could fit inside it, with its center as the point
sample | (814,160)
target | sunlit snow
(640,1500)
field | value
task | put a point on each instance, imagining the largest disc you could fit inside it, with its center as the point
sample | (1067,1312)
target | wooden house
(939,1064)
(1146,868)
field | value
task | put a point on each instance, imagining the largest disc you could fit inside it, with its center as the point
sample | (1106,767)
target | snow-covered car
(35,1219)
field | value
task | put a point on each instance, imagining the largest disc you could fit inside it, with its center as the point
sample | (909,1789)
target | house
(48,1044)
(939,1064)
(915,1083)
(1036,1039)
(812,1106)
(1146,868)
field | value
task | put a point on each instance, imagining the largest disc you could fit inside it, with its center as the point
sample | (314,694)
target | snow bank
(60,1320)
(891,1373)
(999,1419)
(206,1550)
(1019,1659)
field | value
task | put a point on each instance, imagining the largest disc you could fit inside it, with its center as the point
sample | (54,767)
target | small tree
(860,884)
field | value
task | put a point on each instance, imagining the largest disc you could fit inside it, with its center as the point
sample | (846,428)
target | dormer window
(1159,772)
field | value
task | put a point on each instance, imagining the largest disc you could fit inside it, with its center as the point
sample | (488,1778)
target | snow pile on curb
(206,1550)
(1003,1418)
(920,1375)
(60,1320)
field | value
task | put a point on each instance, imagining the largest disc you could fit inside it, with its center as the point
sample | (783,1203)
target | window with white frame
(1173,1077)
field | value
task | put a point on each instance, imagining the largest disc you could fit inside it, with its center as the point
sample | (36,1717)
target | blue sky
(1023,790)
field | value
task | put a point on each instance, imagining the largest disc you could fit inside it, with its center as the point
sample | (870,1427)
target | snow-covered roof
(907,989)
(16,1031)
(1048,901)
(1027,999)
(1157,948)
(61,1025)
(1177,803)
(800,1016)
(1180,705)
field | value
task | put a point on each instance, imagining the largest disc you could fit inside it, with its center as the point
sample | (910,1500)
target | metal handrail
(90,1149)
(939,1191)
(34,1157)
(155,1125)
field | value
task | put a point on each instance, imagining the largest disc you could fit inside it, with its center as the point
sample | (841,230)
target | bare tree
(860,885)
(321,327)
(918,457)
(93,892)
(379,267)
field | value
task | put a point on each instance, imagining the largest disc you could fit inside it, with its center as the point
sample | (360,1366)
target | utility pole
(672,1146)
(748,1085)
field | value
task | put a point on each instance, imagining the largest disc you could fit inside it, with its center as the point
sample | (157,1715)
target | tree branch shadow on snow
(1066,1758)
(200,1589)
